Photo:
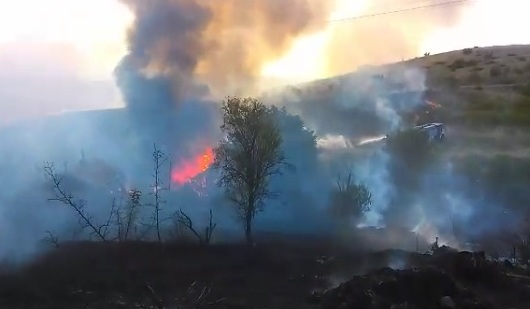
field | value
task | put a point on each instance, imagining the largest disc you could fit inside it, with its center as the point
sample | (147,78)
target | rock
(315,297)
(447,302)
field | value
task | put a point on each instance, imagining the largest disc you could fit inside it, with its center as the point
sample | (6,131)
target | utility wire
(397,11)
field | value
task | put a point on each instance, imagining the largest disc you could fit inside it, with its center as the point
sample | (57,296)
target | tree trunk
(248,229)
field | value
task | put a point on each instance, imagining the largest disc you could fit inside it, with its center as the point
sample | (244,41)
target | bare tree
(60,195)
(248,157)
(349,200)
(184,220)
(159,160)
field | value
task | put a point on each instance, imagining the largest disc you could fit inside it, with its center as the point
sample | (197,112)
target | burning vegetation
(238,203)
(188,170)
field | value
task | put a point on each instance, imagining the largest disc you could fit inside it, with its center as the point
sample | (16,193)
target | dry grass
(479,65)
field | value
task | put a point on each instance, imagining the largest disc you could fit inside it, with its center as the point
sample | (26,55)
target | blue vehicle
(434,130)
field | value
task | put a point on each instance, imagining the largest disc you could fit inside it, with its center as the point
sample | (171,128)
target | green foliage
(350,200)
(410,147)
(249,156)
(495,71)
(496,171)
(474,78)
(485,111)
(489,56)
(525,90)
(411,154)
(462,63)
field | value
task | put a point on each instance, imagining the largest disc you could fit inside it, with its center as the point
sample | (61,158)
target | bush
(495,71)
(457,64)
(522,59)
(489,56)
(467,51)
(474,78)
(525,90)
(462,63)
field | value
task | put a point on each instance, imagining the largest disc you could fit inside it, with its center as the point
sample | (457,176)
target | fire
(432,104)
(189,169)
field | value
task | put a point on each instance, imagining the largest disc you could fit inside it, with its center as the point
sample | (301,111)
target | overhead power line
(398,11)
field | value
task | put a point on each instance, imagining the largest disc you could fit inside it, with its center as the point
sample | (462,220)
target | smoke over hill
(184,55)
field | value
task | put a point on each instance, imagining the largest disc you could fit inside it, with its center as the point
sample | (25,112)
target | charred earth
(292,273)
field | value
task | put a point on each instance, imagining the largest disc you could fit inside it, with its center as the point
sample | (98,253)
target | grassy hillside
(498,65)
(488,86)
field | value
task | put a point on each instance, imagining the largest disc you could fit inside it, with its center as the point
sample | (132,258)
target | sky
(59,55)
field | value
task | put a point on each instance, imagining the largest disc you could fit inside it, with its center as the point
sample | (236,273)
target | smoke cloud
(220,43)
(226,44)
(184,53)
(389,37)
(45,78)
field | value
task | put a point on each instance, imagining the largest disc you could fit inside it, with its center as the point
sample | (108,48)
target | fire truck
(435,130)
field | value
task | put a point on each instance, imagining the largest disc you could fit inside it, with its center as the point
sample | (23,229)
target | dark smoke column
(162,98)
(164,48)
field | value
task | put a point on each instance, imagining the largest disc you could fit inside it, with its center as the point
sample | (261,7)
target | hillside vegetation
(478,86)
(481,86)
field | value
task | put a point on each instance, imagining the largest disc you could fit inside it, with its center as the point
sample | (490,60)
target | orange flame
(432,104)
(190,169)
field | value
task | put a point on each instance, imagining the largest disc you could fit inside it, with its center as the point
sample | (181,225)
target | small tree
(350,200)
(128,218)
(248,157)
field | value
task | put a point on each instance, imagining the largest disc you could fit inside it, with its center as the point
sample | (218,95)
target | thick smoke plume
(225,44)
(220,43)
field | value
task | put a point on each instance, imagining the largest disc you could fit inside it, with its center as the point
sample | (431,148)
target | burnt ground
(277,274)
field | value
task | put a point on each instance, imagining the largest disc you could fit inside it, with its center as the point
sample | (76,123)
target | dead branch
(195,297)
(66,198)
(209,229)
(157,300)
(186,221)
(52,239)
